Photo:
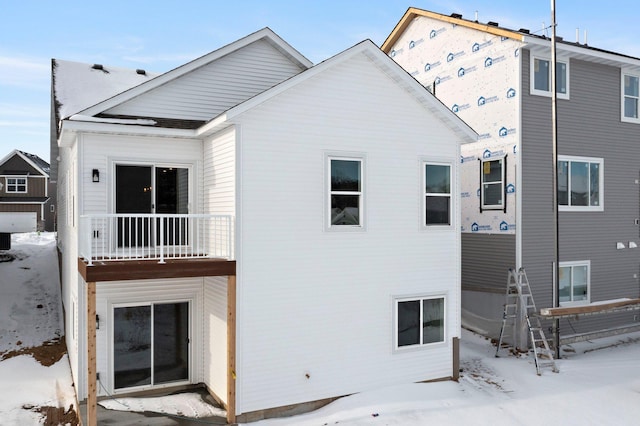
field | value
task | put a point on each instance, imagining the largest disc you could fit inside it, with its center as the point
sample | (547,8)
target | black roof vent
(524,30)
(456,15)
(98,67)
(141,72)
(493,24)
(558,38)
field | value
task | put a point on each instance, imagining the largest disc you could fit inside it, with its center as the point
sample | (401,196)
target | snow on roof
(78,86)
(38,161)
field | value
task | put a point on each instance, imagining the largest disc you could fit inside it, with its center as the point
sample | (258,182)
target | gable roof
(383,62)
(265,34)
(535,42)
(31,159)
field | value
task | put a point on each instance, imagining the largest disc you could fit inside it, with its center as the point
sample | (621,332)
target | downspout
(554,138)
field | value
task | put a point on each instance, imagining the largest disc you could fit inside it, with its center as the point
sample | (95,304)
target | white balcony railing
(107,237)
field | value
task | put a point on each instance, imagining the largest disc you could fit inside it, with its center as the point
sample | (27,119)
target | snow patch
(183,404)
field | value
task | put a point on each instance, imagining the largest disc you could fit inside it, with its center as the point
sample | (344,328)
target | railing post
(161,242)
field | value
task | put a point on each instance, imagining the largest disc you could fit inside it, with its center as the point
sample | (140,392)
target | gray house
(498,81)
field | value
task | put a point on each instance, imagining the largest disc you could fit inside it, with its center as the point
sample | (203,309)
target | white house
(272,230)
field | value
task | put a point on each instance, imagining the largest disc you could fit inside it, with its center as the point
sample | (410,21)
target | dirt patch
(46,354)
(54,416)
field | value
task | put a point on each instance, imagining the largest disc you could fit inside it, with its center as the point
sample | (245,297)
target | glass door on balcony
(150,344)
(144,189)
(133,196)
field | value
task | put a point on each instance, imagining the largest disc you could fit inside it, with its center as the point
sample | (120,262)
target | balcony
(160,237)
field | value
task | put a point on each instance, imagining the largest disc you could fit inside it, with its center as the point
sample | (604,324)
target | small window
(419,321)
(345,193)
(437,194)
(630,97)
(580,184)
(541,77)
(492,184)
(574,279)
(17,185)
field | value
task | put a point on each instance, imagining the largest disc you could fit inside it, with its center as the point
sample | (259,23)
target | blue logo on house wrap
(438,80)
(464,71)
(511,93)
(516,53)
(451,56)
(393,53)
(504,226)
(477,46)
(515,149)
(466,159)
(484,136)
(478,193)
(465,195)
(435,33)
(457,108)
(488,62)
(476,228)
(429,67)
(505,132)
(511,189)
(483,101)
(414,43)
(488,153)
(492,61)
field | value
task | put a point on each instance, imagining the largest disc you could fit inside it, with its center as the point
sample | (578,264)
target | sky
(159,35)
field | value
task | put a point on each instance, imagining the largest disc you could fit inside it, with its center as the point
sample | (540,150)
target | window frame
(623,96)
(572,264)
(539,92)
(419,298)
(590,160)
(16,185)
(360,158)
(503,184)
(425,194)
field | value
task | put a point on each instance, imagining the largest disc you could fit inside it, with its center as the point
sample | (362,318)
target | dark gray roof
(37,161)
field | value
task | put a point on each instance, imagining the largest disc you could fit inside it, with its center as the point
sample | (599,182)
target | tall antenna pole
(554,139)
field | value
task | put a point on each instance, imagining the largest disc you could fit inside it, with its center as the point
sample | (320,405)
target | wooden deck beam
(151,269)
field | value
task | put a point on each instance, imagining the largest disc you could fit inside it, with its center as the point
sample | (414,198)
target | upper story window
(580,184)
(574,280)
(345,192)
(492,178)
(17,185)
(419,321)
(437,194)
(541,77)
(630,97)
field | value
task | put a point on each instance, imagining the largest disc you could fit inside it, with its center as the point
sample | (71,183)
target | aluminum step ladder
(519,296)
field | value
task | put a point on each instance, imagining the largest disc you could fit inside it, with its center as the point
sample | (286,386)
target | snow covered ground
(35,377)
(598,383)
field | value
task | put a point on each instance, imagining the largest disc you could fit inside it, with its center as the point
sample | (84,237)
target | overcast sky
(159,35)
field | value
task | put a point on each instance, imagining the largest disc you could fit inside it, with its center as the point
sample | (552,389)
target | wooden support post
(231,349)
(456,358)
(92,382)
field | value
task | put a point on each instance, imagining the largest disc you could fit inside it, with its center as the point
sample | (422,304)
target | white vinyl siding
(214,88)
(215,335)
(284,256)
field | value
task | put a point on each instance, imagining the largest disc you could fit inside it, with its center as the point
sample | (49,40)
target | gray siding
(486,259)
(588,125)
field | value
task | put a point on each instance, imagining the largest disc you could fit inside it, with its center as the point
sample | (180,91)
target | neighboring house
(24,193)
(498,81)
(282,233)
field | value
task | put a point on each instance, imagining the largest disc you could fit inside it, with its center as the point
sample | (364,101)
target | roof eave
(413,12)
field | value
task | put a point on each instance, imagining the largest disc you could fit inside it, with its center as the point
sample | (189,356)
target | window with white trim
(630,97)
(574,282)
(541,77)
(437,194)
(345,192)
(419,321)
(580,183)
(16,184)
(492,187)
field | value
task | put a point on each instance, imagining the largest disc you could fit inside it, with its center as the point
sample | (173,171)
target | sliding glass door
(150,344)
